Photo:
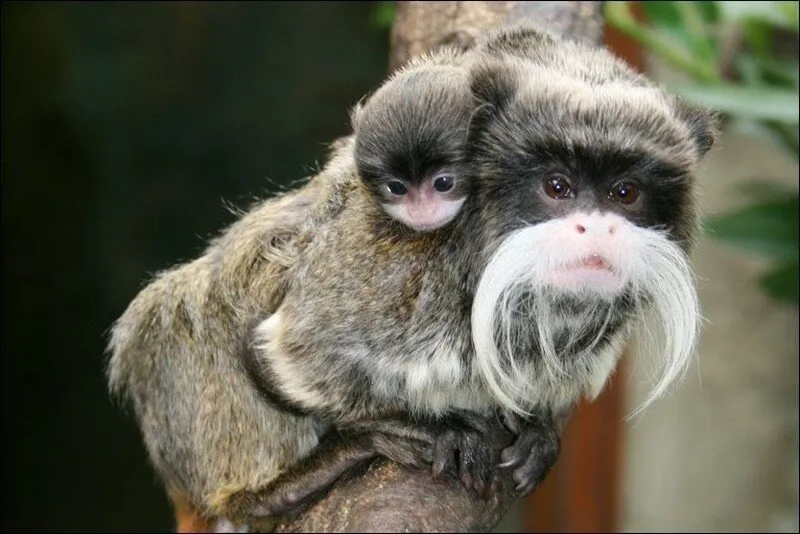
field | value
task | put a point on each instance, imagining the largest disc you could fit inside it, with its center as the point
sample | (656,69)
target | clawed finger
(443,455)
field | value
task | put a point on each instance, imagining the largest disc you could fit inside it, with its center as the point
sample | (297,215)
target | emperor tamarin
(580,225)
(580,218)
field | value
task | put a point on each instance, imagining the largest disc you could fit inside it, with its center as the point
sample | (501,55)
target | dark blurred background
(126,128)
(129,128)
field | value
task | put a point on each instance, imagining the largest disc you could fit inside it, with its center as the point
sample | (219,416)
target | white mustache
(649,270)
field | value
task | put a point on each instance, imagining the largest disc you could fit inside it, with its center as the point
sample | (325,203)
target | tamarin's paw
(534,451)
(463,448)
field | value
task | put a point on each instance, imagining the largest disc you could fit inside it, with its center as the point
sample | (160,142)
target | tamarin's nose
(595,224)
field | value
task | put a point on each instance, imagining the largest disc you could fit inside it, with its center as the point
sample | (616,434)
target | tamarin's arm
(343,452)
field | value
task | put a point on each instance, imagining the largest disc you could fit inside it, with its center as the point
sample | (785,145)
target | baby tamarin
(409,141)
(580,216)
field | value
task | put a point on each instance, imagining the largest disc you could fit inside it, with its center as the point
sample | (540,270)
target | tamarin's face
(423,204)
(410,140)
(585,194)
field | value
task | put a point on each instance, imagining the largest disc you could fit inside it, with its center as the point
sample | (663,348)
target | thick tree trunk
(388,497)
(423,26)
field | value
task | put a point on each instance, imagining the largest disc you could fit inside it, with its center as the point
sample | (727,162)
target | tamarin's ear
(703,124)
(493,83)
(354,116)
(522,40)
(355,113)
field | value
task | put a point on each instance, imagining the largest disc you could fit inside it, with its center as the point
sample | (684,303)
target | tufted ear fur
(356,112)
(521,40)
(703,124)
(493,83)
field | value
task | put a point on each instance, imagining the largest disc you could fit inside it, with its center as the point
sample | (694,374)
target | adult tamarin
(578,224)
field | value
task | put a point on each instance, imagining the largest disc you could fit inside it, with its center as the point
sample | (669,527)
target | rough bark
(423,26)
(388,497)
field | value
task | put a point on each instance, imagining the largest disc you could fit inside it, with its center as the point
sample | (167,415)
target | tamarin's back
(185,331)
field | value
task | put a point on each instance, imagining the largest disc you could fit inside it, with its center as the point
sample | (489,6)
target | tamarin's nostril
(580,228)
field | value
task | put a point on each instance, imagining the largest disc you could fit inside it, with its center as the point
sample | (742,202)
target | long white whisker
(515,298)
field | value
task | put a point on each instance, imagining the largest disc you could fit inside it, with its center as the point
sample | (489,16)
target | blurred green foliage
(729,53)
(383,14)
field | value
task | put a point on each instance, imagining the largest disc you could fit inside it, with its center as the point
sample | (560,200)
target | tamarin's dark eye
(396,187)
(444,182)
(558,188)
(624,192)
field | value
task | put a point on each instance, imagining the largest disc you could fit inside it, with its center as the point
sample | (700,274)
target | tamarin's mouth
(594,261)
(591,273)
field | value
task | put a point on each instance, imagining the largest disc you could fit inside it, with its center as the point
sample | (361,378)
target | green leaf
(789,134)
(749,69)
(766,191)
(758,36)
(781,283)
(781,136)
(672,48)
(709,11)
(791,11)
(664,14)
(668,14)
(383,14)
(781,73)
(699,38)
(778,13)
(767,228)
(760,103)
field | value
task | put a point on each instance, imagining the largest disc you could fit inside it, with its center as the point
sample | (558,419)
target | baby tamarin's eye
(444,182)
(558,187)
(624,192)
(396,187)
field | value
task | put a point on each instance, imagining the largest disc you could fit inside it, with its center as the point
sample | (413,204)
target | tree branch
(388,497)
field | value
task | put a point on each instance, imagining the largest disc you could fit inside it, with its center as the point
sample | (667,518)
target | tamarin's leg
(456,444)
(338,455)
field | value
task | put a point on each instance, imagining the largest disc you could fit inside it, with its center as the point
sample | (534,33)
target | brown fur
(175,354)
(359,319)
